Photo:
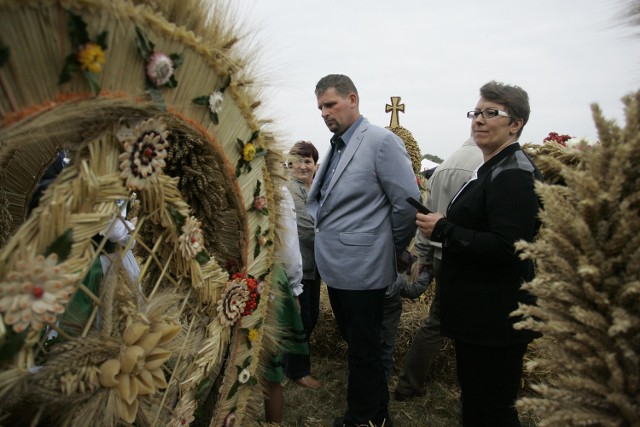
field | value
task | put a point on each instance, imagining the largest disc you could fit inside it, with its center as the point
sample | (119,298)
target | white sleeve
(289,251)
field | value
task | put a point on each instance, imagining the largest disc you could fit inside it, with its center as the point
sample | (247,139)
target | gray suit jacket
(364,220)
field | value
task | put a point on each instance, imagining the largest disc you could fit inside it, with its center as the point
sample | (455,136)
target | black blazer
(481,271)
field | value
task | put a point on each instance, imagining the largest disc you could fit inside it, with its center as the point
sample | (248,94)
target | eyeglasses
(487,114)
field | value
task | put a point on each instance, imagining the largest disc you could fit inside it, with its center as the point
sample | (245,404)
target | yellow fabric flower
(91,57)
(249,152)
(252,335)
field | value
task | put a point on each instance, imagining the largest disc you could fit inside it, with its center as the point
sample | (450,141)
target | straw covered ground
(439,407)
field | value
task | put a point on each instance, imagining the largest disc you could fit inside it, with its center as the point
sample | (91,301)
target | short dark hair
(514,98)
(304,149)
(341,83)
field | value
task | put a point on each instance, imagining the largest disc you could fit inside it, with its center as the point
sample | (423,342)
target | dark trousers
(298,365)
(359,318)
(425,346)
(490,379)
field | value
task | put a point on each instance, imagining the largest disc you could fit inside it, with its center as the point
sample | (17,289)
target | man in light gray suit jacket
(363,222)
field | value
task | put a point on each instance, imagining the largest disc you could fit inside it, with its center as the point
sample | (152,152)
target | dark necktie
(338,147)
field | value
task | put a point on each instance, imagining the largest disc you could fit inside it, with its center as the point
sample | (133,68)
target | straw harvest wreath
(154,108)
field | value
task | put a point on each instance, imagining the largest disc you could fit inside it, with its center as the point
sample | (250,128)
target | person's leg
(490,379)
(417,361)
(297,365)
(273,402)
(390,321)
(359,316)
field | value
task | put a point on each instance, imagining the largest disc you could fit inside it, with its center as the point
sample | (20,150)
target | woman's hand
(426,223)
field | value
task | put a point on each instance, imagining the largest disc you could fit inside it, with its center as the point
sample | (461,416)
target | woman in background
(303,163)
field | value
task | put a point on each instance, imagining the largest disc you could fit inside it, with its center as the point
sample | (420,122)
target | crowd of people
(354,226)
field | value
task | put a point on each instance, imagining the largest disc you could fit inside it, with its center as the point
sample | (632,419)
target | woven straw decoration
(149,350)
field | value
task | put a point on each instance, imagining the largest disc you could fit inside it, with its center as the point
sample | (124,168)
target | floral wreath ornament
(214,101)
(160,67)
(192,240)
(248,152)
(259,204)
(34,294)
(137,371)
(144,152)
(87,57)
(240,298)
(262,240)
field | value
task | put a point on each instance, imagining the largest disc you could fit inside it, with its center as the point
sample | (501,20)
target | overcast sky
(436,54)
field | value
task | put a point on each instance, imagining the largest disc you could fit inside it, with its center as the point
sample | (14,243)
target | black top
(481,271)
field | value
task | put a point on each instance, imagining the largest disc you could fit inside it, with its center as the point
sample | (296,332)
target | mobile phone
(416,204)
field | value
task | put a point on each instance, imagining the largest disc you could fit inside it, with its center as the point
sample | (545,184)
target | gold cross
(395,107)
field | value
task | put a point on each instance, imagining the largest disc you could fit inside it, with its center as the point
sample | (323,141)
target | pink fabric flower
(159,69)
(259,203)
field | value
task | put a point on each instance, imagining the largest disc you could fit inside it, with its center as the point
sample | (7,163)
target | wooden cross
(395,107)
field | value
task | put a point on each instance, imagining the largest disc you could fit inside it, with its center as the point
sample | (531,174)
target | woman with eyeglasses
(481,272)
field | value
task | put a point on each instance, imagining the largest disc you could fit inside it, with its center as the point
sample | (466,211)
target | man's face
(338,112)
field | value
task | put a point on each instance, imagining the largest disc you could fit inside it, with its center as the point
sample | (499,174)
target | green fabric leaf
(264,211)
(61,246)
(214,117)
(13,344)
(4,55)
(94,84)
(172,83)
(101,40)
(202,257)
(234,389)
(260,152)
(226,83)
(246,362)
(201,100)
(77,30)
(256,250)
(178,218)
(240,144)
(145,46)
(256,192)
(70,66)
(177,60)
(202,388)
(156,97)
(255,135)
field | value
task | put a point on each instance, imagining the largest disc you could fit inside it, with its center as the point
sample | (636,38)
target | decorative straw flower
(191,240)
(90,56)
(144,153)
(233,302)
(159,69)
(259,203)
(248,152)
(137,370)
(244,376)
(36,293)
(215,102)
(252,335)
(230,419)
